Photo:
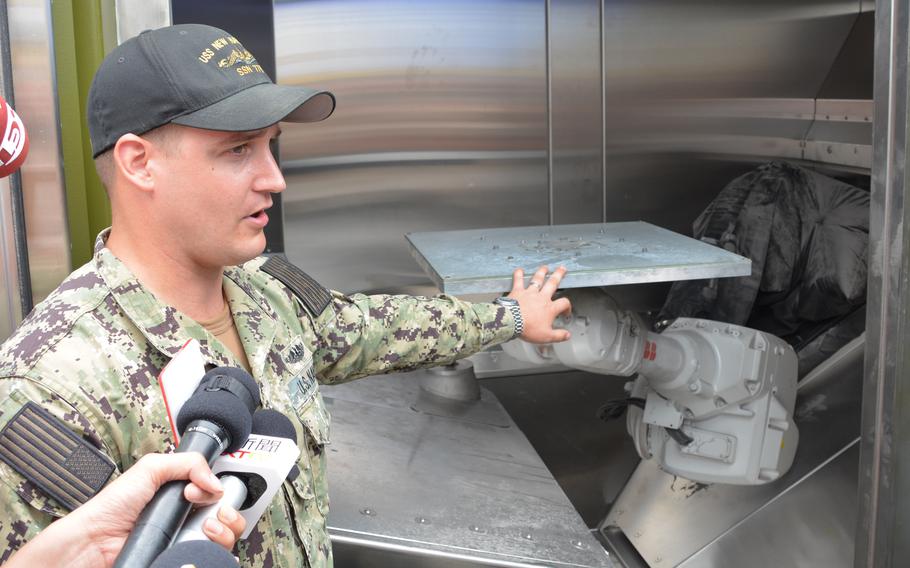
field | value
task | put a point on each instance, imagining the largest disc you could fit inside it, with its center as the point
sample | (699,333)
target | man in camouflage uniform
(181,119)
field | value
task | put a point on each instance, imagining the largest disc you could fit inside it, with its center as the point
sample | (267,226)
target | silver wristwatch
(511,304)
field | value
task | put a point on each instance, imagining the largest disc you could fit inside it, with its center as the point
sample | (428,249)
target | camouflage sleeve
(363,335)
(24,509)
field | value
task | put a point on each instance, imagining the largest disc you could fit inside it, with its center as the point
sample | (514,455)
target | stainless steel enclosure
(469,114)
(461,114)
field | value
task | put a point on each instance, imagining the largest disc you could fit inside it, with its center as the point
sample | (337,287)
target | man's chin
(246,253)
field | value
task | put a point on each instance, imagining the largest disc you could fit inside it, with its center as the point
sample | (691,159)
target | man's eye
(239,150)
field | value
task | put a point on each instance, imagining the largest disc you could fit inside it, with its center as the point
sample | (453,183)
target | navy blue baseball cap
(194,75)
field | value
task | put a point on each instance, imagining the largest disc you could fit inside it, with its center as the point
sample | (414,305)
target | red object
(13,140)
(650,351)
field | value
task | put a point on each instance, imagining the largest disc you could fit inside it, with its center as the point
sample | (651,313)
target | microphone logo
(211,433)
(13,141)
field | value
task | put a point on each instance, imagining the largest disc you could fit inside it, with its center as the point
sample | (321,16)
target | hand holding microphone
(92,535)
(241,491)
(215,419)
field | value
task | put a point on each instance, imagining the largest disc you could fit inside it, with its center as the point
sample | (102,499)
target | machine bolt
(477,529)
(368,512)
(579,544)
(719,402)
(422,520)
(693,386)
(527,536)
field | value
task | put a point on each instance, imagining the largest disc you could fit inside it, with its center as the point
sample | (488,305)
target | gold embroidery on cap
(237,55)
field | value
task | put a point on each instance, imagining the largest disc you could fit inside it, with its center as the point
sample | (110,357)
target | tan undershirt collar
(223,328)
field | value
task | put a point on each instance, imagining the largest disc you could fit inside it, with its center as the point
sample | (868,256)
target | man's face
(213,190)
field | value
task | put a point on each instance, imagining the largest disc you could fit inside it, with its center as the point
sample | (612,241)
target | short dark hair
(164,136)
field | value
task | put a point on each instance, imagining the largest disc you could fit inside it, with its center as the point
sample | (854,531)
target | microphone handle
(235,493)
(160,519)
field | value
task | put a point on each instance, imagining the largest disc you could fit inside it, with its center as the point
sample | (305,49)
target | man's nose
(269,176)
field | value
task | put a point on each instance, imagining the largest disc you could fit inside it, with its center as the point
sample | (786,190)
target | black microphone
(241,491)
(197,553)
(217,418)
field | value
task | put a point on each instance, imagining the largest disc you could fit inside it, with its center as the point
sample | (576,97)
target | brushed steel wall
(698,92)
(441,124)
(467,114)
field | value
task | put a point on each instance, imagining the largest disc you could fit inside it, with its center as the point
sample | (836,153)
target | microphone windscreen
(222,408)
(235,373)
(196,554)
(270,422)
(13,140)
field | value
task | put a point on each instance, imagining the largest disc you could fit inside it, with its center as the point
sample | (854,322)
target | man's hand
(92,535)
(538,309)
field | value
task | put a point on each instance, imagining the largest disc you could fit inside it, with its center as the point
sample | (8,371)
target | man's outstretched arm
(363,335)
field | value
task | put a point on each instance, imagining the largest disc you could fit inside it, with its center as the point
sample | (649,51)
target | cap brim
(261,106)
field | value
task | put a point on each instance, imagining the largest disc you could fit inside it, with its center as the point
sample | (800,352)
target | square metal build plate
(480,261)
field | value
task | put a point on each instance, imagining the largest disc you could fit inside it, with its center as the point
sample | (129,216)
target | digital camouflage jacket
(90,354)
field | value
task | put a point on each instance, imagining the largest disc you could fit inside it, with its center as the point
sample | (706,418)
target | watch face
(506,301)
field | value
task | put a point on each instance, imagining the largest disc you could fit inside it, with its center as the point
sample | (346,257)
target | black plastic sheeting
(807,236)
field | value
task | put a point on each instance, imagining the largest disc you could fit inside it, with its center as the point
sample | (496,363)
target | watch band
(512,305)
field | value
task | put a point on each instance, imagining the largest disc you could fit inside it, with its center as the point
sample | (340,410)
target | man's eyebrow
(235,137)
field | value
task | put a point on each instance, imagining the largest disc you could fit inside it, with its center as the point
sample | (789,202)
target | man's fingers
(194,494)
(201,475)
(218,533)
(518,279)
(539,277)
(560,335)
(204,487)
(562,306)
(553,281)
(161,468)
(232,520)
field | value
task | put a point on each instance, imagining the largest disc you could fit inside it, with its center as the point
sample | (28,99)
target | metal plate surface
(444,491)
(596,254)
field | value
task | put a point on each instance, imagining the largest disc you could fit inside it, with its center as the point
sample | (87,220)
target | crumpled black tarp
(807,235)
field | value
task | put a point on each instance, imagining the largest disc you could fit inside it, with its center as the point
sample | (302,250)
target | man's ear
(131,161)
